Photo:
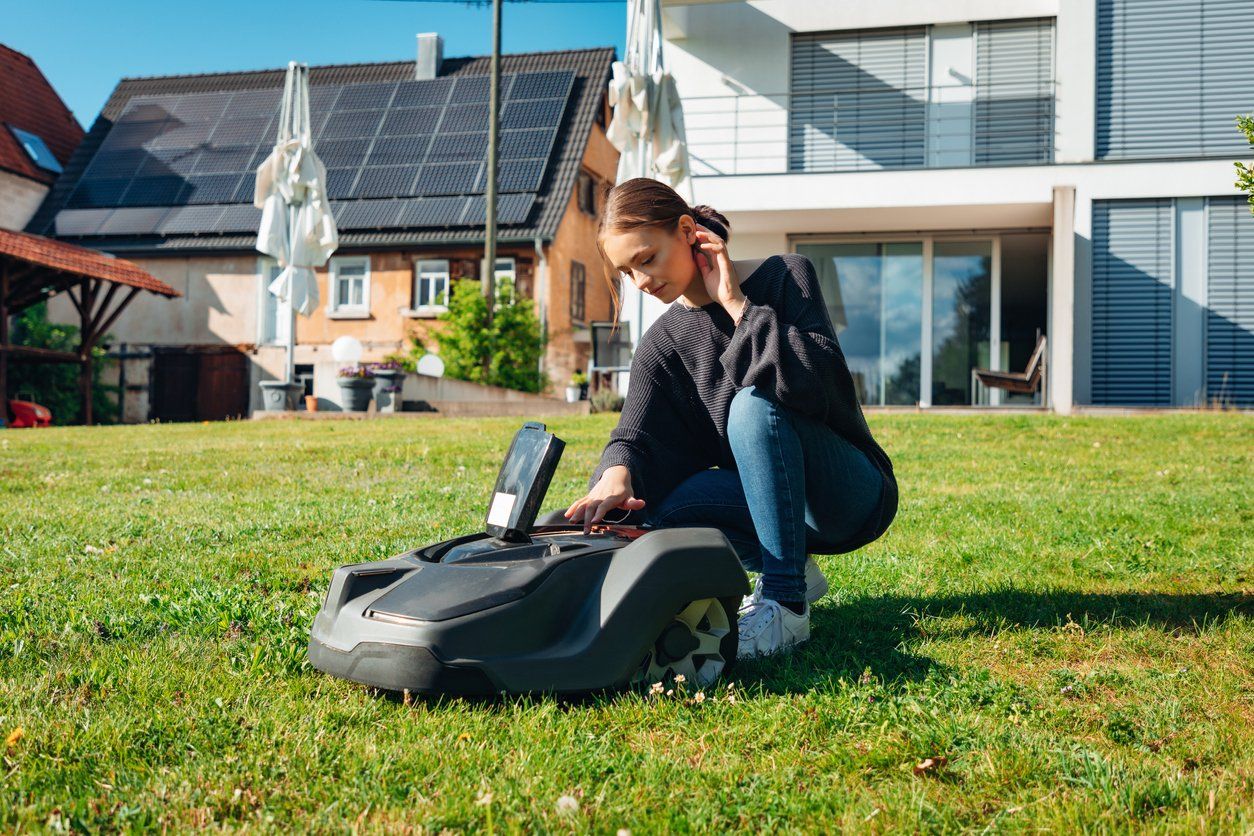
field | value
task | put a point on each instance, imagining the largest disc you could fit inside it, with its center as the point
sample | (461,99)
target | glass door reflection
(961,302)
(874,295)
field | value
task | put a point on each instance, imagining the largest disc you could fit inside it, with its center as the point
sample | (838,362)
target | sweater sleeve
(789,348)
(653,437)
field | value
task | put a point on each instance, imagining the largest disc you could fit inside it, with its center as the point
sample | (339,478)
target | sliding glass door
(962,285)
(874,294)
(916,318)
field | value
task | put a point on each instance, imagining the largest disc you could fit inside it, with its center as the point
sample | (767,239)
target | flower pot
(387,389)
(279,396)
(311,403)
(355,393)
(572,394)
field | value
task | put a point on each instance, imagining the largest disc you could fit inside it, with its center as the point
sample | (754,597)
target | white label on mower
(502,505)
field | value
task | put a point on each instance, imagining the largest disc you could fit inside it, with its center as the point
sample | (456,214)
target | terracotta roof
(28,102)
(591,67)
(78,261)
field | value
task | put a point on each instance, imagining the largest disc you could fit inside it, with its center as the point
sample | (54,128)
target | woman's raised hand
(612,490)
(717,270)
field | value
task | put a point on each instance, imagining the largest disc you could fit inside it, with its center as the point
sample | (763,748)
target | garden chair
(1027,381)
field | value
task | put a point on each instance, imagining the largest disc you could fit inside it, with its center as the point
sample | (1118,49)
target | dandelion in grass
(567,805)
(680,679)
(699,697)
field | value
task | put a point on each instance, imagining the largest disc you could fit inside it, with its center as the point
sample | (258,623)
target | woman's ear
(689,230)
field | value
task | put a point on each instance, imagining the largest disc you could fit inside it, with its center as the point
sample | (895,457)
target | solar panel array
(398,154)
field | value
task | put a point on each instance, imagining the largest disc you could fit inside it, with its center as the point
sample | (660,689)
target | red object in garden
(29,414)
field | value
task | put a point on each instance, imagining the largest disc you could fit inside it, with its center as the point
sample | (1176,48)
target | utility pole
(494,110)
(489,237)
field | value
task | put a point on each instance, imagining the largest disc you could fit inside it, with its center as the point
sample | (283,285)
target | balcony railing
(871,128)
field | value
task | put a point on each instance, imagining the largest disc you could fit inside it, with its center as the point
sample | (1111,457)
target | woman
(742,373)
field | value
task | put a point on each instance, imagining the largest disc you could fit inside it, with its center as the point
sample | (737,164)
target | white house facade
(969,175)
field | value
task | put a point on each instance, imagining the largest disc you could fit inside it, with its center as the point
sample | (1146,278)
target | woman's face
(658,263)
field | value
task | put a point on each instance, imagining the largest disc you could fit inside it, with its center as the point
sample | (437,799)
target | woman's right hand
(613,490)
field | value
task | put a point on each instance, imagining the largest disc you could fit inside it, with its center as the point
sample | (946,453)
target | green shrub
(607,400)
(55,385)
(512,345)
(1245,173)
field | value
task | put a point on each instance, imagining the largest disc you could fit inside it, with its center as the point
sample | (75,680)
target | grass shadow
(875,633)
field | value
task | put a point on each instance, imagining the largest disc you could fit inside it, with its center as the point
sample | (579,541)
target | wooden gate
(194,383)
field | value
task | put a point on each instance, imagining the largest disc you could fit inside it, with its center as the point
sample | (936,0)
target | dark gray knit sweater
(689,365)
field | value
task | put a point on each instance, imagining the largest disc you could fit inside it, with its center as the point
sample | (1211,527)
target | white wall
(19,198)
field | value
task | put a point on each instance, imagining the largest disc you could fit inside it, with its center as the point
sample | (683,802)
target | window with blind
(1230,302)
(868,99)
(858,100)
(1131,299)
(1172,76)
(1014,92)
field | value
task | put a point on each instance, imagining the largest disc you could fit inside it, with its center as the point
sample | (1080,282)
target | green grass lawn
(1060,617)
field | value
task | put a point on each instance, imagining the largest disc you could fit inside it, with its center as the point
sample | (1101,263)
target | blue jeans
(799,488)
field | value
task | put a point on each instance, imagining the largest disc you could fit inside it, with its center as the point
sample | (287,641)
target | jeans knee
(749,413)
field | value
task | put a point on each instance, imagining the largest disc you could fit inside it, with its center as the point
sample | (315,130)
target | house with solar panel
(37,136)
(165,179)
(970,177)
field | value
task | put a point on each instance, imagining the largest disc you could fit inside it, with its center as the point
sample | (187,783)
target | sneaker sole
(746,657)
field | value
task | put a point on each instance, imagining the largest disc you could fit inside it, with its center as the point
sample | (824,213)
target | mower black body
(535,608)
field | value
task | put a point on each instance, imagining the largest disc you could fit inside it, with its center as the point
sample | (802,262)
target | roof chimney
(430,54)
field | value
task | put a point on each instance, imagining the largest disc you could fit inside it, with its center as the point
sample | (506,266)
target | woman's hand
(613,490)
(718,273)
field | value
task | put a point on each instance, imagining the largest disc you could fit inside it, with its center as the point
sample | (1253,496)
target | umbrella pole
(289,310)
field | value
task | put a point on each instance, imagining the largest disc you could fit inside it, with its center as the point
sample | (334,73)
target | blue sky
(86,47)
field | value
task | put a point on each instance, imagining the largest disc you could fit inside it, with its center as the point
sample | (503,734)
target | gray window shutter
(1014,91)
(1171,77)
(1230,302)
(858,100)
(1132,291)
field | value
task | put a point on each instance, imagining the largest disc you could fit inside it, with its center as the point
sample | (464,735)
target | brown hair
(643,201)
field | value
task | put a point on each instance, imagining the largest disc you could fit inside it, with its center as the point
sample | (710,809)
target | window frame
(348,311)
(582,318)
(417,273)
(512,272)
(585,178)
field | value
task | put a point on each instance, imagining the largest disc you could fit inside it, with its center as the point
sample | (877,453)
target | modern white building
(969,174)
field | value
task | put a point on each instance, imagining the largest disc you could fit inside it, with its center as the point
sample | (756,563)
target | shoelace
(758,618)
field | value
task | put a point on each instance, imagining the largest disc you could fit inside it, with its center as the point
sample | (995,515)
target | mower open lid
(523,481)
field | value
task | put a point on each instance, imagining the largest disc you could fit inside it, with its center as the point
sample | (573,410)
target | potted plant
(387,391)
(574,389)
(280,395)
(356,387)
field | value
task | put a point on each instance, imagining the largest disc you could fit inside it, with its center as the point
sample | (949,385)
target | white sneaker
(766,627)
(816,586)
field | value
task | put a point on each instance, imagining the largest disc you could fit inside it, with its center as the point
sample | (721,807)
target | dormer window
(36,149)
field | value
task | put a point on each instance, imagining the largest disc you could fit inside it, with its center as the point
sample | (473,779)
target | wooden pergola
(34,268)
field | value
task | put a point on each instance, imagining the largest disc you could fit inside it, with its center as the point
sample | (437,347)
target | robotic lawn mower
(526,608)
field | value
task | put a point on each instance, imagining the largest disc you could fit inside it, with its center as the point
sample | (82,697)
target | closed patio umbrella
(648,123)
(648,130)
(297,228)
